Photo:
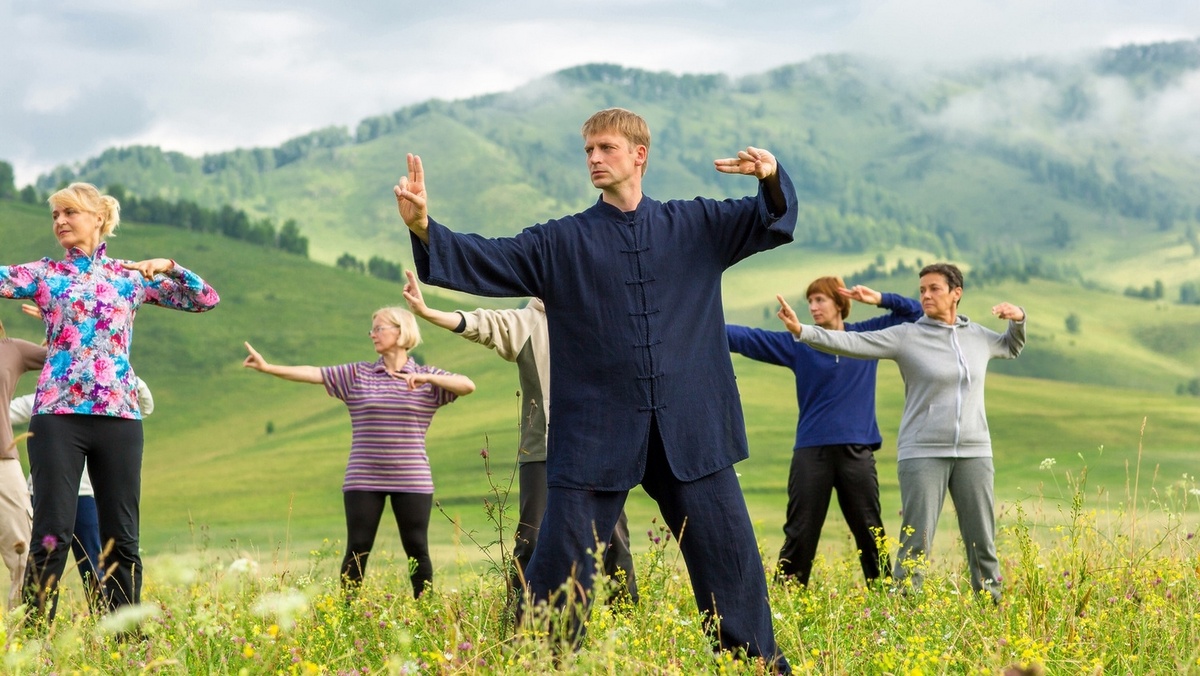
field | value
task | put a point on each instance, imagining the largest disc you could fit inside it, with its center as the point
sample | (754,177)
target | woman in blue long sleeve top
(836,434)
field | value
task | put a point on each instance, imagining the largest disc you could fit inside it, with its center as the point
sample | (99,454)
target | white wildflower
(128,618)
(283,606)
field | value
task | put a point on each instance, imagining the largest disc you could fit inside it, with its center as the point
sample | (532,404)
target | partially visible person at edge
(16,358)
(86,546)
(632,289)
(836,434)
(520,336)
(944,443)
(391,402)
(86,405)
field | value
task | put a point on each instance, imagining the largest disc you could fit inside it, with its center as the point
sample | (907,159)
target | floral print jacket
(88,304)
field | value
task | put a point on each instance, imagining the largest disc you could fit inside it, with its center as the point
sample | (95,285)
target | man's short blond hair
(626,123)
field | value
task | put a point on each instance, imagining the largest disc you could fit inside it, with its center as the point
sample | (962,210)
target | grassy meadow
(241,466)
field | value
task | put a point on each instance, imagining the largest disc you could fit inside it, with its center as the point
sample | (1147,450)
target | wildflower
(244,566)
(1048,463)
(127,618)
(483,453)
(285,606)
(49,542)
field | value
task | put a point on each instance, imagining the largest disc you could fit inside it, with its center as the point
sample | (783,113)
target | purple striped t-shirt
(388,423)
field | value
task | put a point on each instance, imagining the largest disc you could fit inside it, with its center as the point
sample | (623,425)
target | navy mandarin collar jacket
(637,329)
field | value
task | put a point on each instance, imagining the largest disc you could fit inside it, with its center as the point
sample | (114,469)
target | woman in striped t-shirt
(391,401)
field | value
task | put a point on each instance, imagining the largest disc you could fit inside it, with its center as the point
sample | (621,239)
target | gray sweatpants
(923,485)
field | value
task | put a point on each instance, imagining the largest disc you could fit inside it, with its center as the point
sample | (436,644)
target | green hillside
(215,479)
(1060,168)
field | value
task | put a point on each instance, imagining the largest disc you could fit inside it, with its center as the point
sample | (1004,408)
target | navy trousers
(618,559)
(709,519)
(86,547)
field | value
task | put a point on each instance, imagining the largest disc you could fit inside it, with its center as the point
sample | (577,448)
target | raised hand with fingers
(413,295)
(411,199)
(862,294)
(788,316)
(31,310)
(149,268)
(751,162)
(1009,311)
(254,360)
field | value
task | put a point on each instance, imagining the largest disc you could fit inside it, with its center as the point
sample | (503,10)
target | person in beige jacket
(520,336)
(16,513)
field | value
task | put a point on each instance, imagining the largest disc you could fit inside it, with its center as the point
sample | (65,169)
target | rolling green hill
(216,479)
(1070,168)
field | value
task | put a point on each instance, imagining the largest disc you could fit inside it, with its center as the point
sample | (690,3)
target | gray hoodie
(944,367)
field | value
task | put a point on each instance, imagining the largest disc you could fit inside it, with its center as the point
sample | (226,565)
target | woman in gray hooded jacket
(944,443)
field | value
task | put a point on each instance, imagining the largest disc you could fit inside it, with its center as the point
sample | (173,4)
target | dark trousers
(85,545)
(364,509)
(816,472)
(707,516)
(112,448)
(618,559)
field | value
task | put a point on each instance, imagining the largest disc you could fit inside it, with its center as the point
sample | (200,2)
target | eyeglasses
(380,329)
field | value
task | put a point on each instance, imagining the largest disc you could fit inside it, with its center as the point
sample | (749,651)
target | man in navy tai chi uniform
(643,389)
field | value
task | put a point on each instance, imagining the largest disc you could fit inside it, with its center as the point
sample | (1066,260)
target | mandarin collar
(615,211)
(75,253)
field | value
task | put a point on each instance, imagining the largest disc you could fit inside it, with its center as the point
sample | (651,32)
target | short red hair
(829,286)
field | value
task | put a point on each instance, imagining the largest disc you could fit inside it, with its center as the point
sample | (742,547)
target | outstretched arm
(299,374)
(760,164)
(412,200)
(416,303)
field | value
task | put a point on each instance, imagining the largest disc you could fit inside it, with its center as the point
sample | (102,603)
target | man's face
(612,160)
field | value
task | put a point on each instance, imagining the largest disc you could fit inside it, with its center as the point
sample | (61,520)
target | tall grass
(1094,582)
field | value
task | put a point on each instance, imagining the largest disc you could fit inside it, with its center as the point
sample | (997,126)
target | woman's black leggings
(364,509)
(112,448)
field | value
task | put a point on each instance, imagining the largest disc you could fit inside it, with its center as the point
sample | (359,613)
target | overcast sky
(211,75)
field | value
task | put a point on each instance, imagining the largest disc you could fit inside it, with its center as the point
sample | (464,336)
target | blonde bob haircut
(620,121)
(85,197)
(410,333)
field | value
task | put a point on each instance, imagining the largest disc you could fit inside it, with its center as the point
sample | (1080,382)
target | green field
(215,480)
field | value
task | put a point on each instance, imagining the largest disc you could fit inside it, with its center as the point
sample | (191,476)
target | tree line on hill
(183,213)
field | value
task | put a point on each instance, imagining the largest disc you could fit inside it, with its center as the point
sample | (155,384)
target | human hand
(31,310)
(149,268)
(1009,311)
(411,199)
(413,295)
(788,316)
(751,161)
(254,360)
(414,380)
(862,294)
